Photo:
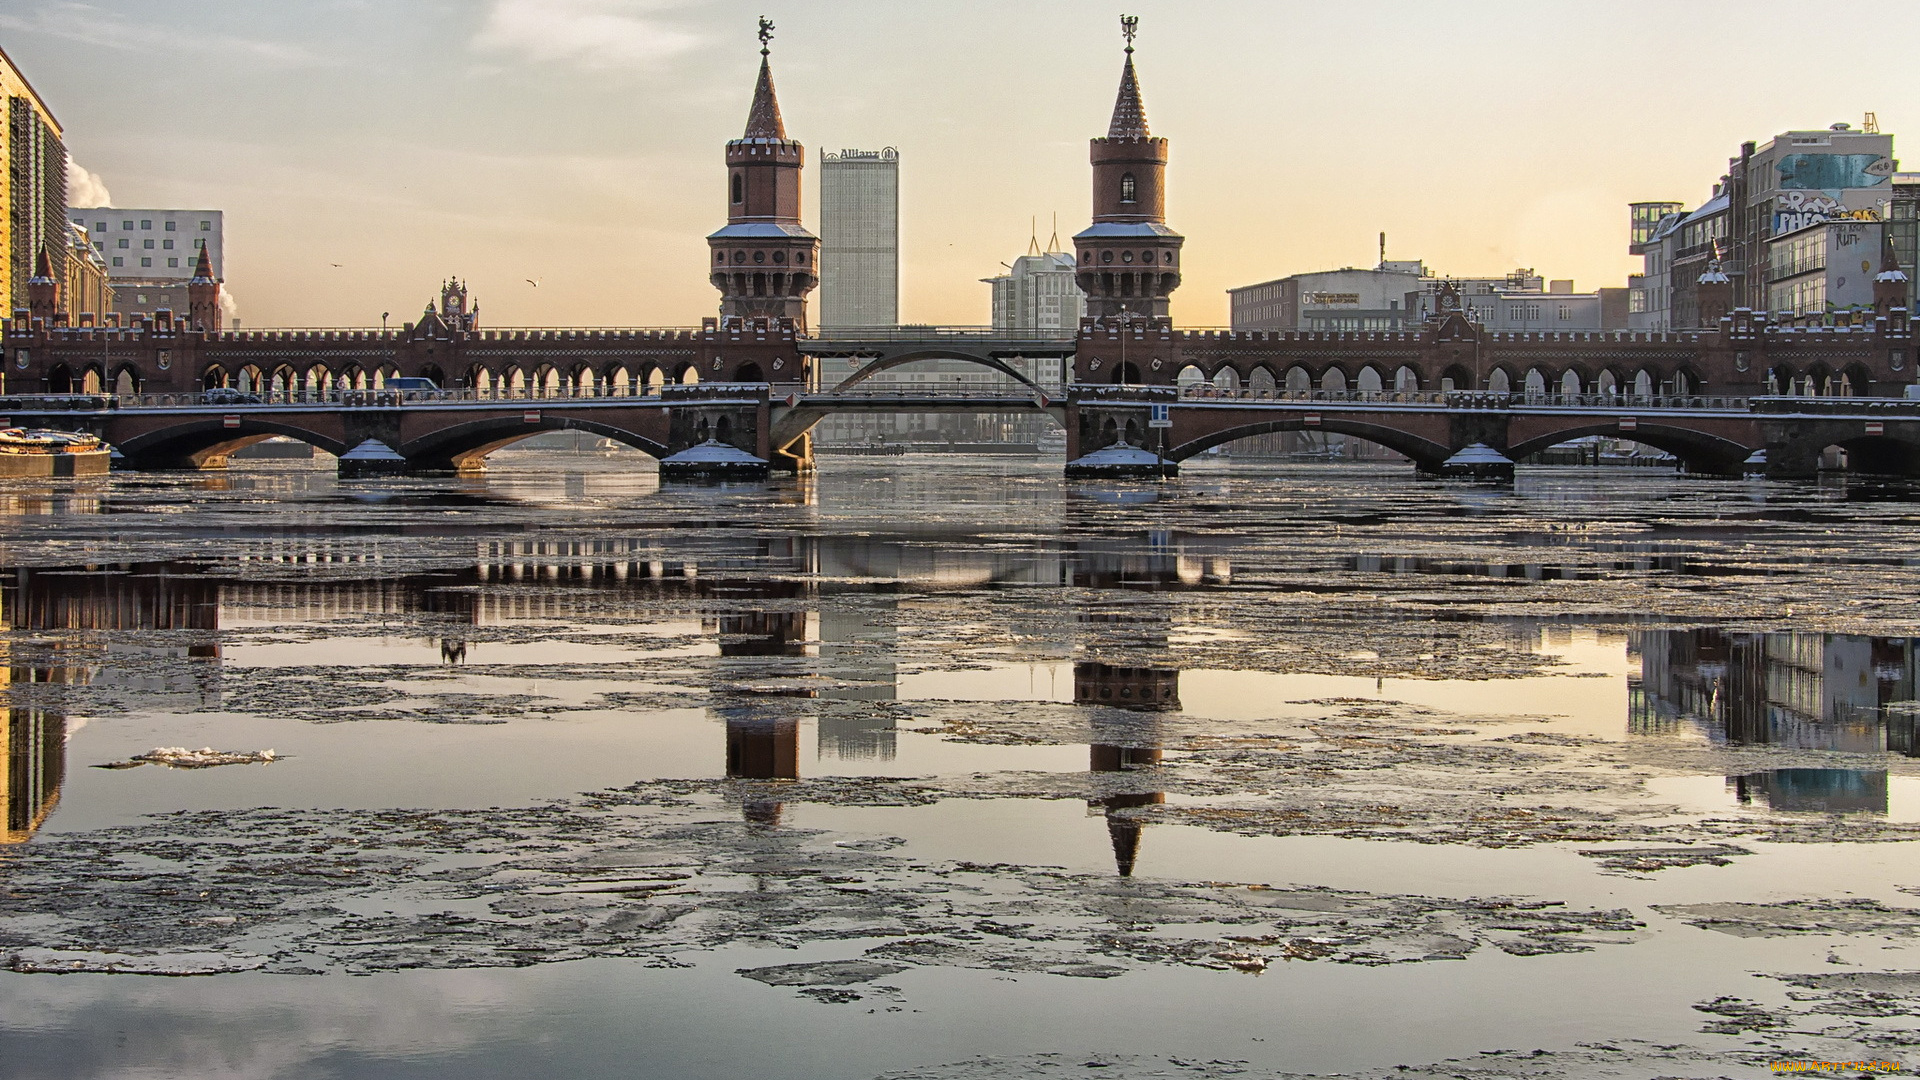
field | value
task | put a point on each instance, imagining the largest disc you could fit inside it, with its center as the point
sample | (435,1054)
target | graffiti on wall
(1817,171)
(1795,210)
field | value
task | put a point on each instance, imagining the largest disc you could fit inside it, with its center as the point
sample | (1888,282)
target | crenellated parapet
(165,353)
(1867,354)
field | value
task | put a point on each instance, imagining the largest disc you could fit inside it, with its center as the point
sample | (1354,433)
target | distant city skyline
(579,143)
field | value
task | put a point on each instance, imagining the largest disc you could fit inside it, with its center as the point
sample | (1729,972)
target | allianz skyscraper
(860,238)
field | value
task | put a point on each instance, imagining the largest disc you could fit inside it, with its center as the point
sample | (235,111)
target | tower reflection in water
(1835,692)
(75,609)
(763,740)
(1127,737)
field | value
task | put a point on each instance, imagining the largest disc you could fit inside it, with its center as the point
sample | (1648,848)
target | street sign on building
(1160,416)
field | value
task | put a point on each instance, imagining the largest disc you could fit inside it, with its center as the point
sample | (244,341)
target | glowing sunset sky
(579,142)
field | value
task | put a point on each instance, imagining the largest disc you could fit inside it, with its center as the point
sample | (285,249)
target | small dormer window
(739,188)
(1126,187)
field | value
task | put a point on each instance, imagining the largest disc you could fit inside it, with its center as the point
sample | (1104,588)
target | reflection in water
(784,654)
(35,764)
(1833,791)
(1837,692)
(1134,746)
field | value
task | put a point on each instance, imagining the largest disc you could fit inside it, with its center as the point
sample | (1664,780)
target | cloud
(85,188)
(89,25)
(599,35)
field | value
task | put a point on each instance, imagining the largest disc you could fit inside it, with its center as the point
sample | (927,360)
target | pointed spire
(1129,113)
(764,122)
(42,266)
(1889,259)
(202,269)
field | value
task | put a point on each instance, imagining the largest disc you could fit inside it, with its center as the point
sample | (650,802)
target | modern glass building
(860,238)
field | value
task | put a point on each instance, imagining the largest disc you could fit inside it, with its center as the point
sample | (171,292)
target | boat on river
(38,452)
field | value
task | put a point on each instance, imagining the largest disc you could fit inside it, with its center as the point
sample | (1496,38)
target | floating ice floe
(179,757)
(78,962)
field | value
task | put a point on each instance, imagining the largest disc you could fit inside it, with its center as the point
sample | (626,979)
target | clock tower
(1129,261)
(764,262)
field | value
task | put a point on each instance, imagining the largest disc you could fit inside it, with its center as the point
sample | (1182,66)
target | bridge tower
(1129,258)
(764,261)
(1890,285)
(43,290)
(203,295)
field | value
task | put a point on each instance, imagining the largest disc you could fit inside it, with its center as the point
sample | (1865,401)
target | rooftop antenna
(1383,251)
(1033,230)
(1053,242)
(766,34)
(1129,26)
(1871,125)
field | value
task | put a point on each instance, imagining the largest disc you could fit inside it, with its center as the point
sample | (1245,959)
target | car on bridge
(227,395)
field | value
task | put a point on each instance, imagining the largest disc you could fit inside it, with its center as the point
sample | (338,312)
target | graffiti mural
(1795,210)
(1817,171)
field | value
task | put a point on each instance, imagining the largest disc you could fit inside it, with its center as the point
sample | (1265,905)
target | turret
(43,290)
(203,295)
(1890,287)
(1715,292)
(1128,258)
(764,262)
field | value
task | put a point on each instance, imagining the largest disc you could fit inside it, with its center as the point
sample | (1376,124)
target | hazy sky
(579,142)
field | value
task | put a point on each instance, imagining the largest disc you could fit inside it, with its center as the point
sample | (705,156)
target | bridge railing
(383,398)
(1465,399)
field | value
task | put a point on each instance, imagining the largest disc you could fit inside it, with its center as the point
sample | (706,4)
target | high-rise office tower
(33,193)
(860,238)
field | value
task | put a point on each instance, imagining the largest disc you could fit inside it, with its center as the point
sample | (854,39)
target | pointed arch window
(1126,187)
(739,188)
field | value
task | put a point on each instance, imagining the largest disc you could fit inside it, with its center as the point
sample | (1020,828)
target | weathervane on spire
(766,34)
(1129,26)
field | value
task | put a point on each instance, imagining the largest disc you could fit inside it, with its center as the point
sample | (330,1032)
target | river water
(947,768)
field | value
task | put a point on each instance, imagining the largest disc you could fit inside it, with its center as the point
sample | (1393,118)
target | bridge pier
(1110,432)
(723,433)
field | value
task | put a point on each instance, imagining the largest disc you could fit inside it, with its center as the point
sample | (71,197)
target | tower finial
(1129,26)
(766,34)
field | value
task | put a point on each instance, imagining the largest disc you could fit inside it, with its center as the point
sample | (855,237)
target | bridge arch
(463,447)
(993,363)
(1699,451)
(1425,453)
(206,441)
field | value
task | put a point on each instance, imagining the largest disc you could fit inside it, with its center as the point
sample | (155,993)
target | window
(125,243)
(168,244)
(169,226)
(1126,187)
(1565,313)
(148,244)
(146,262)
(118,261)
(125,225)
(99,226)
(199,245)
(173,263)
(206,226)
(146,223)
(99,245)
(739,190)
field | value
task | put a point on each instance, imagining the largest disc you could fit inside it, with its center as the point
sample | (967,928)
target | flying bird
(336,264)
(535,282)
